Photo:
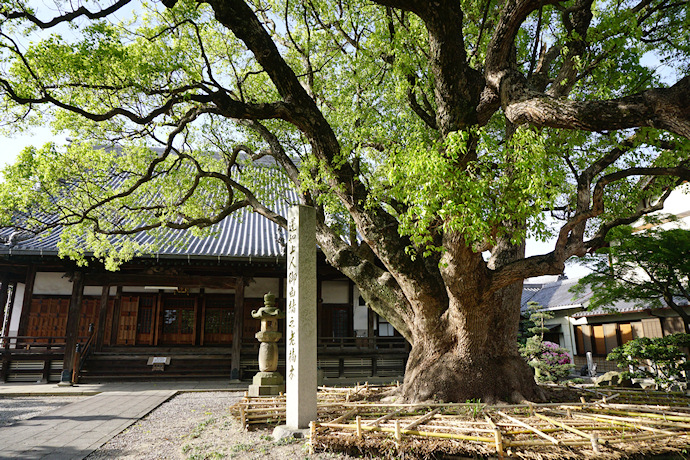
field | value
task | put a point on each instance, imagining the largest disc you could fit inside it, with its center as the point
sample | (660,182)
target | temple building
(184,311)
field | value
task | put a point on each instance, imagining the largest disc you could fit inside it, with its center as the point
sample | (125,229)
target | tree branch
(67,17)
(663,108)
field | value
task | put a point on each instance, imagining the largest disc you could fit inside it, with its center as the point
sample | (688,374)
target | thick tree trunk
(474,356)
(456,377)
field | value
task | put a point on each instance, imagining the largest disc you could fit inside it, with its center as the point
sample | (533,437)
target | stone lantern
(268,381)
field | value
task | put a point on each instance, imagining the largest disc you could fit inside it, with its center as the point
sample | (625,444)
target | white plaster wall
(141,289)
(261,286)
(13,327)
(566,330)
(219,291)
(334,291)
(97,290)
(52,283)
(360,314)
(359,322)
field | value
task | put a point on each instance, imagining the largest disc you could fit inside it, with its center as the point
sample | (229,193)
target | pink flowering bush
(553,354)
(549,361)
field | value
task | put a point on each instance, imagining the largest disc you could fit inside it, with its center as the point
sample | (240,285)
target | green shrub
(549,361)
(661,359)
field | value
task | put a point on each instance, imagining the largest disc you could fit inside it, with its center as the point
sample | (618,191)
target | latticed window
(145,315)
(220,315)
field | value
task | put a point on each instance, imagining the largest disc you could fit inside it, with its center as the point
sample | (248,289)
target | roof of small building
(557,296)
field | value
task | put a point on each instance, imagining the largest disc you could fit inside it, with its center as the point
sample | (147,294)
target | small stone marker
(158,363)
(300,360)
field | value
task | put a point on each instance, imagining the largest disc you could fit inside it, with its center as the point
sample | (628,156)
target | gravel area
(16,408)
(198,426)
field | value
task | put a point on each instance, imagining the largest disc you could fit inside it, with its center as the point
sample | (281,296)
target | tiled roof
(557,296)
(243,235)
(553,295)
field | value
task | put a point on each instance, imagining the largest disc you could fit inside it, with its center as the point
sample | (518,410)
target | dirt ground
(198,426)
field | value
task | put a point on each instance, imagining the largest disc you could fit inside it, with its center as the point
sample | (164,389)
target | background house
(600,330)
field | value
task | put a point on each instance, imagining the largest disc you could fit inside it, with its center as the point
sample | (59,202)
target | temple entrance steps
(156,363)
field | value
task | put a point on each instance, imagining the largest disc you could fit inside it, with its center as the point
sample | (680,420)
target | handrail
(27,342)
(349,343)
(81,354)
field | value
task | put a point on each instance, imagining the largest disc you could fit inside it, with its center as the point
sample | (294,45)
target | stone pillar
(268,381)
(300,362)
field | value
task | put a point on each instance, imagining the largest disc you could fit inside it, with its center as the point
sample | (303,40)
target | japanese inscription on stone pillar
(300,339)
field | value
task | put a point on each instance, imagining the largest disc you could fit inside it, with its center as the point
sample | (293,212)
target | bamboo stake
(666,410)
(636,420)
(383,418)
(359,426)
(569,442)
(423,419)
(628,424)
(498,438)
(398,432)
(673,418)
(451,405)
(264,409)
(312,436)
(531,428)
(346,416)
(606,399)
(243,417)
(595,443)
(430,434)
(566,427)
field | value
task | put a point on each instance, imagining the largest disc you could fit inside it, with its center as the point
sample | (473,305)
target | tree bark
(474,357)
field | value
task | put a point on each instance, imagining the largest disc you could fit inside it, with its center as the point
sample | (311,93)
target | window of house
(600,339)
(384,328)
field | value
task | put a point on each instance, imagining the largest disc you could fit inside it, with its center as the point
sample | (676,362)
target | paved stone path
(77,429)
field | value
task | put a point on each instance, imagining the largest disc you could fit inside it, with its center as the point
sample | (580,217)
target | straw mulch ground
(583,423)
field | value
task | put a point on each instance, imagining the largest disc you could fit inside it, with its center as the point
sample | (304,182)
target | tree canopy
(650,269)
(442,133)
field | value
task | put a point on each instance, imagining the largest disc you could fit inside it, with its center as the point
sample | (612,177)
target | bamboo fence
(614,425)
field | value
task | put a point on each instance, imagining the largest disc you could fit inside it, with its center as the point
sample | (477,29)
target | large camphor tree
(433,138)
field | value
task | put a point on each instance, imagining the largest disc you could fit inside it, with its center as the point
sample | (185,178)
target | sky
(10,147)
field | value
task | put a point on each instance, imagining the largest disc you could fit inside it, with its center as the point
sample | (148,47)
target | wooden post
(71,337)
(102,317)
(4,327)
(28,294)
(200,318)
(3,299)
(237,329)
(370,328)
(156,320)
(115,324)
